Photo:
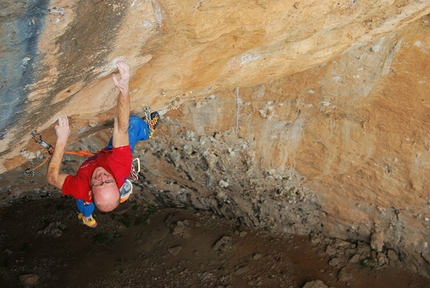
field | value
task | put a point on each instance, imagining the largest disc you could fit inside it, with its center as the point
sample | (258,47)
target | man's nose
(103,177)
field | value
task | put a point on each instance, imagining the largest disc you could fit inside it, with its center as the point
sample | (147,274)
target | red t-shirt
(116,161)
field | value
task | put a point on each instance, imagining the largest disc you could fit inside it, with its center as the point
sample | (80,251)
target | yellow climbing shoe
(92,223)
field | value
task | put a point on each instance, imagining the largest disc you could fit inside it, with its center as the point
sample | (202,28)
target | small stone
(334,262)
(179,228)
(392,255)
(350,251)
(53,229)
(167,220)
(363,248)
(241,270)
(223,244)
(377,240)
(341,243)
(330,250)
(369,263)
(315,284)
(256,256)
(344,275)
(355,258)
(28,279)
(207,277)
(223,184)
(174,250)
(382,259)
(316,238)
(242,234)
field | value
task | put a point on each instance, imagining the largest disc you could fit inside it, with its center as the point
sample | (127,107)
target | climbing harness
(151,119)
(30,171)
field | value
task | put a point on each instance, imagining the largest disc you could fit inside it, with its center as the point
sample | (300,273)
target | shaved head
(106,197)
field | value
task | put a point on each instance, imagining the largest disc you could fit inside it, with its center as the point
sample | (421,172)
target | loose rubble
(143,247)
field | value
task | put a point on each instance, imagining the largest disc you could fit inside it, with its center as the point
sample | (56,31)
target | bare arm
(54,176)
(120,128)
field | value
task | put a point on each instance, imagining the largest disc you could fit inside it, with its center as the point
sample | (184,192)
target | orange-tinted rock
(327,132)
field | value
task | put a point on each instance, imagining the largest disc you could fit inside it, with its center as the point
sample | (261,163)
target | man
(98,180)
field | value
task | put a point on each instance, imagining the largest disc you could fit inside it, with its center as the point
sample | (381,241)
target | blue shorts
(86,209)
(138,130)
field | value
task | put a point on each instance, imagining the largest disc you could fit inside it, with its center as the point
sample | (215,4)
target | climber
(98,180)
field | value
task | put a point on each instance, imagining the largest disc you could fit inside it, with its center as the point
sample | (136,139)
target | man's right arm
(121,122)
(54,176)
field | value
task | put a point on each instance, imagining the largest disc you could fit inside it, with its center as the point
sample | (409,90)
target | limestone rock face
(296,116)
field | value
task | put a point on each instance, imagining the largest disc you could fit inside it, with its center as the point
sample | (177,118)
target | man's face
(105,190)
(101,177)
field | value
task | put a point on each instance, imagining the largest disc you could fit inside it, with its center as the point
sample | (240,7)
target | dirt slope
(145,247)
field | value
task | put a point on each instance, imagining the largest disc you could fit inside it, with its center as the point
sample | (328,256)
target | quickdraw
(135,169)
(38,138)
(30,171)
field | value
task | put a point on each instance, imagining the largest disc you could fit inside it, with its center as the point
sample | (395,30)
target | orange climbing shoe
(155,120)
(92,223)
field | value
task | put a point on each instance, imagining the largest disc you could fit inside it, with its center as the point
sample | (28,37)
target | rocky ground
(42,244)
